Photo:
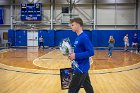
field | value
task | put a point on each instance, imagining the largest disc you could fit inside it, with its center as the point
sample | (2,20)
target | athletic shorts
(126,43)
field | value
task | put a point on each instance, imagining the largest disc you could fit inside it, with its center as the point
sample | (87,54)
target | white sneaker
(136,52)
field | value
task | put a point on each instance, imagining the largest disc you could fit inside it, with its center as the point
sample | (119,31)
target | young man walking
(83,49)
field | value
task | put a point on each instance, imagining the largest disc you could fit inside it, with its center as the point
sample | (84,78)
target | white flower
(65,47)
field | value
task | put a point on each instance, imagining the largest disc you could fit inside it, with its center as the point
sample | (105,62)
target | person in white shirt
(126,42)
(41,41)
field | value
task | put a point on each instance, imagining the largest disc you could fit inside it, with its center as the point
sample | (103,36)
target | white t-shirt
(41,39)
(126,39)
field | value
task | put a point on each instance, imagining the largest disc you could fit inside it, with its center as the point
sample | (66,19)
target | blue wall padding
(72,37)
(11,36)
(1,15)
(100,37)
(61,34)
(21,38)
(48,36)
(94,38)
(139,33)
(89,33)
(51,37)
(120,35)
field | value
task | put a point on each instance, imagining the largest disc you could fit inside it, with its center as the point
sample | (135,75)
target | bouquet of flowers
(66,49)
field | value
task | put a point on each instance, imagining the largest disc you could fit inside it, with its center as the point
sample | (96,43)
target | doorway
(32,38)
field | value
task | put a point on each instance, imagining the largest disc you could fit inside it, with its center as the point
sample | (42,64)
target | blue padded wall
(21,38)
(48,36)
(61,34)
(121,34)
(100,37)
(95,38)
(1,16)
(139,33)
(11,36)
(89,33)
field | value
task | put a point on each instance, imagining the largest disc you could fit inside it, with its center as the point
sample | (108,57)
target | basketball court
(32,70)
(31,36)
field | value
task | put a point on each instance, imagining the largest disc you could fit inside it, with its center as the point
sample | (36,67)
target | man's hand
(71,56)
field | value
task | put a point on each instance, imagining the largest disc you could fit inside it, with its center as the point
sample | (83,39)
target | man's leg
(108,51)
(138,48)
(111,51)
(125,46)
(76,82)
(43,44)
(39,44)
(87,85)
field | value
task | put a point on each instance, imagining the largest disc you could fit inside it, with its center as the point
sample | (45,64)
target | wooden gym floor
(37,71)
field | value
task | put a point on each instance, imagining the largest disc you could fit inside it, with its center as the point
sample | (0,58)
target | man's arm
(88,50)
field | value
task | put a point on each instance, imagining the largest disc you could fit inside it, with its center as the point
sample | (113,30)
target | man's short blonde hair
(77,20)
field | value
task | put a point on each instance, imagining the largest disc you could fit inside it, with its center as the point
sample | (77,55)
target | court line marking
(42,58)
(107,72)
(93,71)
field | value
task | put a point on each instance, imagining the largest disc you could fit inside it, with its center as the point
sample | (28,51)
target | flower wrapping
(66,49)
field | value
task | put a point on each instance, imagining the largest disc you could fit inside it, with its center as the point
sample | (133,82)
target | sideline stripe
(41,58)
(101,72)
(108,72)
(27,72)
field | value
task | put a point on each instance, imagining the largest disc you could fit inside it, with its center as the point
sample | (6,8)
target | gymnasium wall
(139,15)
(2,38)
(61,34)
(108,15)
(1,16)
(48,36)
(18,37)
(99,38)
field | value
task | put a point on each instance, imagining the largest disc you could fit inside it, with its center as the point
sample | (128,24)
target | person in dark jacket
(135,42)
